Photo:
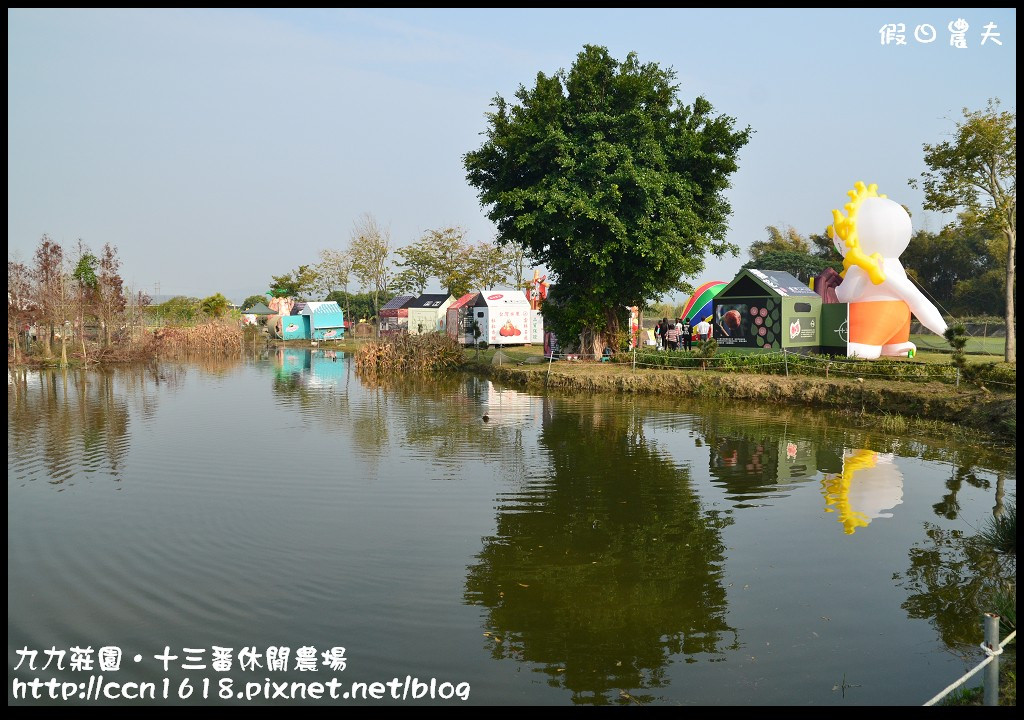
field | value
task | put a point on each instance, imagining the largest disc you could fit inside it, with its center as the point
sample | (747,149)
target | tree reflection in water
(76,421)
(608,569)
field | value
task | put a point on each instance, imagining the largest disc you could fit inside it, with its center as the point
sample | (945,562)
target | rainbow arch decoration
(698,307)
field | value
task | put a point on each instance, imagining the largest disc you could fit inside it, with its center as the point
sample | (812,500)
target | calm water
(570,550)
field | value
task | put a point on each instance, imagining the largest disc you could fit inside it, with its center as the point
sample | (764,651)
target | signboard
(748,323)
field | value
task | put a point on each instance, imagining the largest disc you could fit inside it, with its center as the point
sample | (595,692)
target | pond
(245,530)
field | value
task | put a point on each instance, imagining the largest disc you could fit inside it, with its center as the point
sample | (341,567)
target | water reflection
(952,579)
(607,567)
(308,370)
(617,549)
(758,459)
(70,425)
(869,485)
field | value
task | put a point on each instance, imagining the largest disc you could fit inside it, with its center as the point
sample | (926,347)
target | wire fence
(992,648)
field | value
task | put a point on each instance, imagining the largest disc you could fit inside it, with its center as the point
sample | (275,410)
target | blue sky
(215,148)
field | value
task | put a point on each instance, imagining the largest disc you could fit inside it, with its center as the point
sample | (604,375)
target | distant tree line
(58,294)
(961,267)
(79,299)
(370,262)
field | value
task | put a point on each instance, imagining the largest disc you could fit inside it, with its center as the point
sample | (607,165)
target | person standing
(703,330)
(686,332)
(671,337)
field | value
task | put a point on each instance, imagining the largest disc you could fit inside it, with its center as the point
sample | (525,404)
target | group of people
(679,335)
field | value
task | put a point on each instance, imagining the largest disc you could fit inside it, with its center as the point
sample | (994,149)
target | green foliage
(299,283)
(977,173)
(898,370)
(179,310)
(706,350)
(608,181)
(799,264)
(950,265)
(215,306)
(956,336)
(85,271)
(357,306)
(977,167)
(253,300)
(1004,375)
(778,240)
(1000,532)
(458,266)
(334,270)
(822,246)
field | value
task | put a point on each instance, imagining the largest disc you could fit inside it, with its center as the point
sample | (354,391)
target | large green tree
(458,266)
(800,265)
(780,240)
(787,250)
(299,283)
(215,306)
(358,306)
(976,172)
(960,267)
(253,301)
(609,181)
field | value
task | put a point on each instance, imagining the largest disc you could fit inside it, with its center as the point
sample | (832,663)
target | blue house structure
(326,320)
(314,321)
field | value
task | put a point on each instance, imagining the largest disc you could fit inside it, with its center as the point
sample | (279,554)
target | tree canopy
(976,172)
(299,283)
(609,181)
(800,265)
(780,240)
(215,305)
(253,301)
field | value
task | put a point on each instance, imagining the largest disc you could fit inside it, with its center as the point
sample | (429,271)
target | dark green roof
(259,309)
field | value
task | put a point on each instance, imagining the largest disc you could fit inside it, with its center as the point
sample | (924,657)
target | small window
(480,314)
(802,307)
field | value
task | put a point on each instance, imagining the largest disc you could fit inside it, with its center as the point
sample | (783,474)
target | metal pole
(785,361)
(634,358)
(992,669)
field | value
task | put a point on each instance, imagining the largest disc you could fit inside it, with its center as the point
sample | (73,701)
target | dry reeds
(409,355)
(212,338)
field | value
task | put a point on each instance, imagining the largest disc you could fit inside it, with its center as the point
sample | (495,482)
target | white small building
(427,313)
(505,318)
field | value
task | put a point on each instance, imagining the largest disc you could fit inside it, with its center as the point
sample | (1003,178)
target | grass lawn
(514,353)
(944,358)
(994,346)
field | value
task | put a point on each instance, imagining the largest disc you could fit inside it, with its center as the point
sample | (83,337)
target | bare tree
(515,264)
(335,270)
(64,310)
(110,301)
(19,303)
(490,265)
(370,248)
(47,273)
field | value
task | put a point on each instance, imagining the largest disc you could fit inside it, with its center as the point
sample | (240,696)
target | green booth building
(770,310)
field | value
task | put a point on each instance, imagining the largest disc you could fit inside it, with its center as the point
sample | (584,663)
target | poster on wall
(802,329)
(753,323)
